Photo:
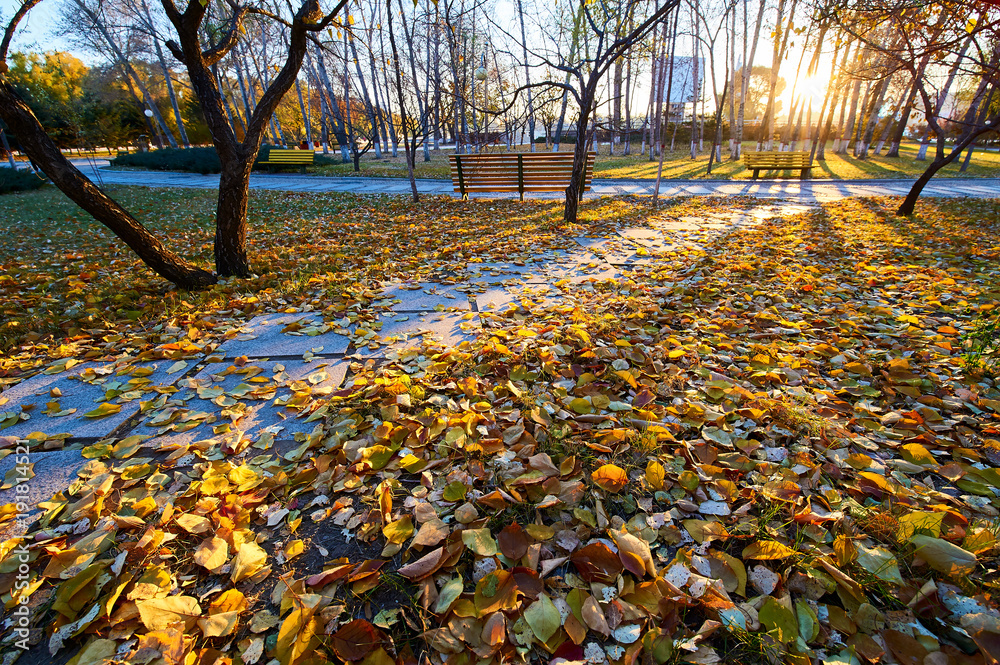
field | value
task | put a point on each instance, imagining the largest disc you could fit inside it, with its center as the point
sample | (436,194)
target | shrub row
(18,180)
(196,160)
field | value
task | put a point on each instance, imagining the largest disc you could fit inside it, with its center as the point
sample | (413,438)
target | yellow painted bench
(778,161)
(277,157)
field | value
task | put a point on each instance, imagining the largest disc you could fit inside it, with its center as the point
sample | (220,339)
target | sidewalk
(800,191)
(202,397)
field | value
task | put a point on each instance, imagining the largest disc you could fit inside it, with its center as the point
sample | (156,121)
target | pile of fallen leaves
(765,450)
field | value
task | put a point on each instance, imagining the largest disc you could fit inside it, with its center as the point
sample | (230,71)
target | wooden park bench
(516,172)
(777,161)
(277,157)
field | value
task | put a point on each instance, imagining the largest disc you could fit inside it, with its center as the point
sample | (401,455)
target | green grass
(679,165)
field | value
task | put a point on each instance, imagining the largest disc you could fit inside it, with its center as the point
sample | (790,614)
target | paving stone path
(801,191)
(251,387)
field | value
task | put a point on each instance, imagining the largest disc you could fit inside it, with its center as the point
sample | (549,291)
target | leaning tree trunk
(37,145)
(906,208)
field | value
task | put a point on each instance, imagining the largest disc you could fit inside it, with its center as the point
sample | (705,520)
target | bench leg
(756,172)
(806,173)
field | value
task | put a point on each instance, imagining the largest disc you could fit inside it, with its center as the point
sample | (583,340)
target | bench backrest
(516,172)
(291,156)
(796,159)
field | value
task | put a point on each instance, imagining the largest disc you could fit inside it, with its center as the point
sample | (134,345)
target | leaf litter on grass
(764,448)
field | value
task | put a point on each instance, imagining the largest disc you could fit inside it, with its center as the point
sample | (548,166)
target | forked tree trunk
(575,191)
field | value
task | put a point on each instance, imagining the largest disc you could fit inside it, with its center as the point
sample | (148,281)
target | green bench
(775,160)
(278,157)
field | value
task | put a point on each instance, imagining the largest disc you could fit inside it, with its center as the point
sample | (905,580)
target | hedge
(17,180)
(197,160)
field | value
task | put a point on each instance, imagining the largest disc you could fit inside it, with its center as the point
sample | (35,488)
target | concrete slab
(424,297)
(285,336)
(54,471)
(58,403)
(230,402)
(501,298)
(402,331)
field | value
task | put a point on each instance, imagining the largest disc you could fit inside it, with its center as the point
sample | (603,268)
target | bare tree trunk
(408,148)
(745,83)
(670,85)
(849,127)
(655,144)
(906,208)
(942,96)
(904,117)
(305,115)
(166,75)
(416,87)
(778,50)
(696,88)
(873,112)
(130,72)
(983,113)
(373,117)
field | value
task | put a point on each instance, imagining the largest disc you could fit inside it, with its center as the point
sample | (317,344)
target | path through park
(230,393)
(800,191)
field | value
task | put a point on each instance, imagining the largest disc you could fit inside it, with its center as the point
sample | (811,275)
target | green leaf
(879,562)
(449,594)
(480,541)
(543,618)
(455,491)
(779,620)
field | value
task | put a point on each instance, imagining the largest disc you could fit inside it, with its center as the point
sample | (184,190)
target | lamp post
(482,75)
(156,130)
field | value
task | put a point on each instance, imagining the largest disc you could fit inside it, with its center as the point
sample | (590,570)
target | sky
(36,33)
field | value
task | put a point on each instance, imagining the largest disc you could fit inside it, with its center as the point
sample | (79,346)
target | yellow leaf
(218,625)
(399,531)
(655,474)
(610,477)
(766,550)
(212,553)
(159,613)
(293,549)
(249,559)
(103,411)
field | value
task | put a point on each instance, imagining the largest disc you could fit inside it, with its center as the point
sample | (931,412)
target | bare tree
(923,31)
(610,35)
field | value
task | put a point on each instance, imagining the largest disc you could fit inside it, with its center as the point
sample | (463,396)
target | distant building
(682,88)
